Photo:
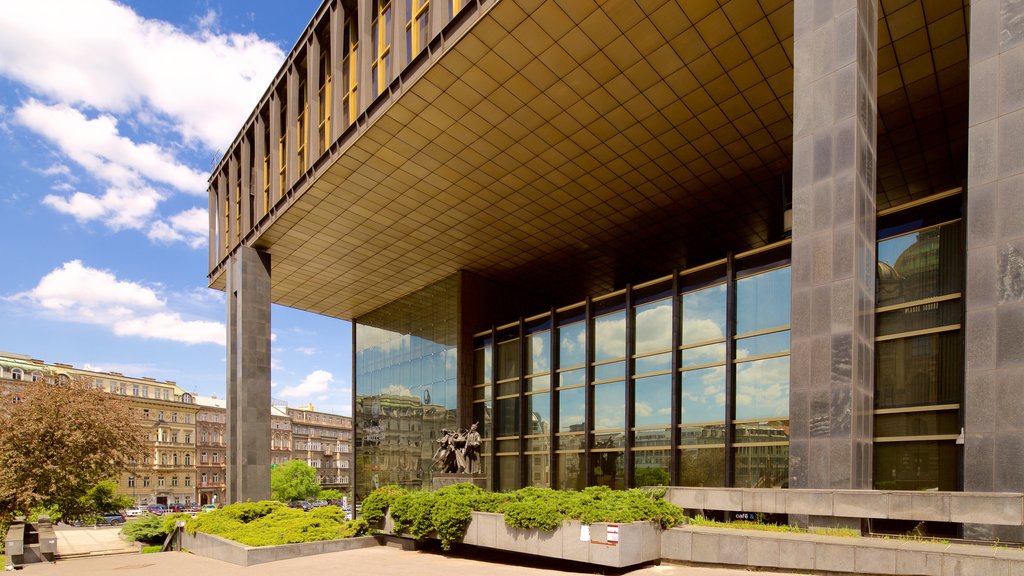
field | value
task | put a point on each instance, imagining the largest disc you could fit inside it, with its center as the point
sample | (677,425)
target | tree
(295,480)
(58,440)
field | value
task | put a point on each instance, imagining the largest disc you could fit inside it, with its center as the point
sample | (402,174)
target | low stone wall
(993,508)
(229,551)
(791,551)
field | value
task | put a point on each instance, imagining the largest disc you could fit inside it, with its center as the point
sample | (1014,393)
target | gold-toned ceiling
(566,148)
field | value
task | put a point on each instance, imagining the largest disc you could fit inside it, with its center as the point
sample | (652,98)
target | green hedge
(269,523)
(447,512)
(150,528)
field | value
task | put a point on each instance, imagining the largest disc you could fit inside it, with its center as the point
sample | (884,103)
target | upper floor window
(17,373)
(380,30)
(417,28)
(37,376)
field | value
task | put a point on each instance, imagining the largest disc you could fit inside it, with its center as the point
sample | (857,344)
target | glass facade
(405,386)
(918,348)
(681,380)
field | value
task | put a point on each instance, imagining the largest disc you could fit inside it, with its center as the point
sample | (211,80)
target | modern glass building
(740,243)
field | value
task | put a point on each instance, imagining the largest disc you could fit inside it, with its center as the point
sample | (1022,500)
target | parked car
(133,512)
(209,507)
(306,506)
(157,509)
(175,507)
(110,519)
(193,508)
(318,503)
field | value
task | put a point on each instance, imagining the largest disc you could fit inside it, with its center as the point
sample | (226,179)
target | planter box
(230,551)
(615,545)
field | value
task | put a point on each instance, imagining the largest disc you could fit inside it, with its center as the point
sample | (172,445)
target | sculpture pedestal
(442,480)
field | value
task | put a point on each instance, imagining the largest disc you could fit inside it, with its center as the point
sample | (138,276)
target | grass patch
(269,523)
(746,525)
(152,549)
(448,511)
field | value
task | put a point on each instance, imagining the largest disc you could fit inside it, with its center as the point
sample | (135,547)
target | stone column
(994,294)
(248,375)
(832,363)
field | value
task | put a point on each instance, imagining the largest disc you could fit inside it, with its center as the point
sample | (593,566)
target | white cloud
(189,227)
(118,208)
(102,55)
(77,293)
(307,350)
(98,146)
(316,382)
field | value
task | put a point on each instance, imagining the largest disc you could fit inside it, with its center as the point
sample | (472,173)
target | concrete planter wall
(229,551)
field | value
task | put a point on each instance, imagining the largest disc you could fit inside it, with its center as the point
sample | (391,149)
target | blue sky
(111,116)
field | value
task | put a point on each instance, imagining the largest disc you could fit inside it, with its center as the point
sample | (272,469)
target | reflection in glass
(508,359)
(651,438)
(538,383)
(761,466)
(613,371)
(482,415)
(570,471)
(571,409)
(610,336)
(702,467)
(652,401)
(538,352)
(704,315)
(917,423)
(920,265)
(710,354)
(762,388)
(572,377)
(650,467)
(930,465)
(605,440)
(653,326)
(764,431)
(508,472)
(538,418)
(920,317)
(482,393)
(609,411)
(570,442)
(702,435)
(508,416)
(919,370)
(572,345)
(762,301)
(609,469)
(508,388)
(703,395)
(656,363)
(482,365)
(539,444)
(774,343)
(537,470)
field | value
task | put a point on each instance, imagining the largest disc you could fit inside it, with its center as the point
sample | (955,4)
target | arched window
(37,376)
(17,373)
(188,459)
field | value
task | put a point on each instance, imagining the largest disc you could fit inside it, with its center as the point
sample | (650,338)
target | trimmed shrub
(149,529)
(269,523)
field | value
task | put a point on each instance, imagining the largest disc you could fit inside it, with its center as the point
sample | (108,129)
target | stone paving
(84,541)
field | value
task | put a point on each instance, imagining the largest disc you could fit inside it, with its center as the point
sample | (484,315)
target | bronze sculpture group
(458,451)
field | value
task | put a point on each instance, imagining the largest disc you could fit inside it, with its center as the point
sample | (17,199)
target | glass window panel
(607,440)
(762,388)
(508,472)
(482,416)
(609,469)
(649,438)
(703,395)
(762,301)
(570,471)
(653,326)
(540,444)
(538,359)
(761,466)
(571,409)
(505,446)
(917,423)
(702,435)
(609,409)
(916,465)
(773,343)
(572,377)
(609,371)
(703,314)
(650,467)
(507,388)
(482,393)
(919,317)
(538,470)
(508,417)
(703,355)
(653,401)
(508,359)
(766,431)
(570,442)
(702,467)
(538,383)
(656,363)
(920,265)
(538,408)
(918,371)
(572,345)
(610,336)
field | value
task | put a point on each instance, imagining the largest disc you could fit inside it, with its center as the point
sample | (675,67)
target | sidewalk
(379,561)
(84,541)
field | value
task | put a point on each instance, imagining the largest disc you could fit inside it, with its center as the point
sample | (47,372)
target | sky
(111,118)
